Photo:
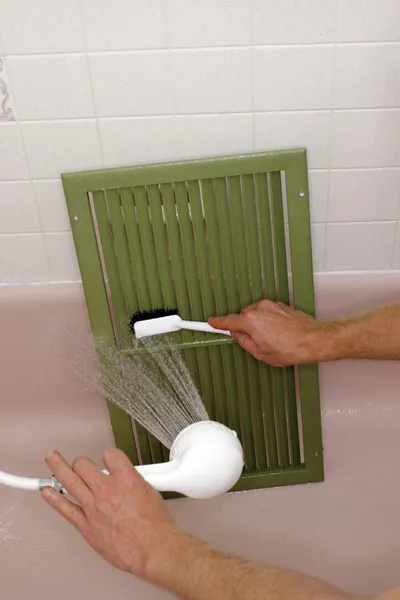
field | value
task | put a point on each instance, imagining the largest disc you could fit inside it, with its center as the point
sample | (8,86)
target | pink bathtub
(345,530)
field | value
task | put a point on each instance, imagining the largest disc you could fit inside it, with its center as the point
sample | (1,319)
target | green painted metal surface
(208,237)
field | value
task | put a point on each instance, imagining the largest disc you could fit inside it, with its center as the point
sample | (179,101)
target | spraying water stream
(154,386)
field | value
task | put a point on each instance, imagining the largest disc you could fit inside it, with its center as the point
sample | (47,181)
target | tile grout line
(168,50)
(331,134)
(310,170)
(394,109)
(35,233)
(159,49)
(86,54)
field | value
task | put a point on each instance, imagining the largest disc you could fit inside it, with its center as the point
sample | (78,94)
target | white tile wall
(62,256)
(359,246)
(135,141)
(318,182)
(367,75)
(128,25)
(213,135)
(318,233)
(41,26)
(368,21)
(23,258)
(54,147)
(13,164)
(294,22)
(18,211)
(92,84)
(368,138)
(212,81)
(284,78)
(132,84)
(296,129)
(33,79)
(209,23)
(364,195)
(51,205)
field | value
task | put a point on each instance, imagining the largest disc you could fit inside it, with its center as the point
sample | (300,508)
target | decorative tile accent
(6,112)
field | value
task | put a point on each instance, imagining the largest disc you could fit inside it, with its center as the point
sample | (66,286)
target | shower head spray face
(211,459)
(206,460)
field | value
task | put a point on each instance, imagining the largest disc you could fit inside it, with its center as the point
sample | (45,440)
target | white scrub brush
(155,322)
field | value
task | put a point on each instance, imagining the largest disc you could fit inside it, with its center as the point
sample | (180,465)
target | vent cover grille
(208,237)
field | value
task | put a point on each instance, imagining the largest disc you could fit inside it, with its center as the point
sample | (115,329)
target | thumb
(234,323)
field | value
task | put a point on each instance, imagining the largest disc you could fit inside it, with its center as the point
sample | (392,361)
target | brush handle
(200,326)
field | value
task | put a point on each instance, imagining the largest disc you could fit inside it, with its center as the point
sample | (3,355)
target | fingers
(71,512)
(68,478)
(242,322)
(247,309)
(88,472)
(115,460)
(229,323)
(247,343)
(284,307)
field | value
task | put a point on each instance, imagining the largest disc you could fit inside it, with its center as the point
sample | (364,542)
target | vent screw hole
(76,218)
(302,193)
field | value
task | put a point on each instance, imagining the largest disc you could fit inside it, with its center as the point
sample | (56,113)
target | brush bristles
(154,313)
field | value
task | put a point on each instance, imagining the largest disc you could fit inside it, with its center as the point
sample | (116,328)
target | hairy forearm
(194,571)
(374,335)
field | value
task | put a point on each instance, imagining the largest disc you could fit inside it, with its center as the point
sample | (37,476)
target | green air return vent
(208,237)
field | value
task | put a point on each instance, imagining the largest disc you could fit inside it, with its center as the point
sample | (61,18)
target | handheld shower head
(206,460)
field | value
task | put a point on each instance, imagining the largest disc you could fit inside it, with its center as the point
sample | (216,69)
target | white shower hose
(206,460)
(28,483)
